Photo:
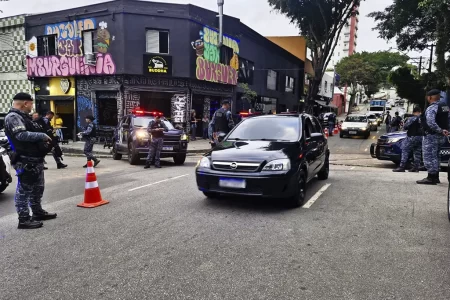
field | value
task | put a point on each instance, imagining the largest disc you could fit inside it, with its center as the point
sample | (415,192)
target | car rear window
(261,128)
(356,119)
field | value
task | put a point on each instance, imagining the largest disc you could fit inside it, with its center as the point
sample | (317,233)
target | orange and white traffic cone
(92,195)
(336,129)
(326,132)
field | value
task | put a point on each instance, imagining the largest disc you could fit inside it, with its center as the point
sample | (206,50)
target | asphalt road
(370,234)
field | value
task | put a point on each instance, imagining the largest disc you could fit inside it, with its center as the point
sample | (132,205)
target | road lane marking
(158,182)
(366,149)
(374,137)
(316,196)
(352,168)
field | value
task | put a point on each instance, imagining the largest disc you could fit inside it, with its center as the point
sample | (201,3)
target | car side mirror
(315,137)
(221,137)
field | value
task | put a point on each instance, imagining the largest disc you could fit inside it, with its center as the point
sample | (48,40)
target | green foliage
(320,22)
(408,86)
(248,92)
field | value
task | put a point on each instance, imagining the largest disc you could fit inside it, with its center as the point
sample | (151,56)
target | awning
(55,98)
(324,103)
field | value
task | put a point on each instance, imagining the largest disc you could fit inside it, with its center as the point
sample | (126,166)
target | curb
(79,152)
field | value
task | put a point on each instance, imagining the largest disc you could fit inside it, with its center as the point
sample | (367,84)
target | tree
(408,86)
(248,93)
(354,71)
(321,22)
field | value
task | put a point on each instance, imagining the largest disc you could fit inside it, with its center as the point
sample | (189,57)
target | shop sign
(157,64)
(65,85)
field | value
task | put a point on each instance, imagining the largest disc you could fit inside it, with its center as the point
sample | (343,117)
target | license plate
(232,183)
(352,132)
(167,148)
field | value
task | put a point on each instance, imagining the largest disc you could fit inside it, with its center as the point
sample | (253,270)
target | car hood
(354,124)
(252,151)
(169,133)
(393,135)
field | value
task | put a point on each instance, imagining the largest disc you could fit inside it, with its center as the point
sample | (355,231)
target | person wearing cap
(412,143)
(30,146)
(156,129)
(222,122)
(435,125)
(89,135)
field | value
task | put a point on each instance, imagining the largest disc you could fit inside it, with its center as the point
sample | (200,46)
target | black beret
(90,117)
(23,97)
(226,102)
(434,92)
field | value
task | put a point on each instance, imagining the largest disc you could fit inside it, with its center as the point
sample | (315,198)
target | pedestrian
(387,121)
(435,125)
(331,123)
(205,123)
(45,124)
(222,122)
(396,122)
(156,128)
(193,126)
(412,143)
(89,135)
(30,146)
(58,124)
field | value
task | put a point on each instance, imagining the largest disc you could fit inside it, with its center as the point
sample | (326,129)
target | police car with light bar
(132,139)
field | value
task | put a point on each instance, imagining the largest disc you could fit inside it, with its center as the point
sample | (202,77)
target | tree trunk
(350,104)
(441,43)
(312,93)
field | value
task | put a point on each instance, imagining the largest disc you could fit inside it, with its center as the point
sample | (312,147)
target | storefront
(57,94)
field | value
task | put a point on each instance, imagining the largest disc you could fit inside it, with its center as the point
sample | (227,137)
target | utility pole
(220,3)
(420,65)
(431,59)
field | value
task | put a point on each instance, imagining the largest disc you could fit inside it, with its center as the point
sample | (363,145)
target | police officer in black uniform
(89,135)
(30,146)
(222,122)
(156,129)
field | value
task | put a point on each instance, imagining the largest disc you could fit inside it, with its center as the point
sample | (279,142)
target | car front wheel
(133,157)
(179,159)
(325,171)
(115,155)
(298,199)
(211,195)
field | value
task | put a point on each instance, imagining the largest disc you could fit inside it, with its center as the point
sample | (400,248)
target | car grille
(381,141)
(172,137)
(236,166)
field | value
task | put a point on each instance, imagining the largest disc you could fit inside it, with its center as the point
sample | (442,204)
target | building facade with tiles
(13,75)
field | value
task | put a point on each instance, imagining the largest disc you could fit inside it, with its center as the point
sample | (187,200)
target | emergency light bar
(138,111)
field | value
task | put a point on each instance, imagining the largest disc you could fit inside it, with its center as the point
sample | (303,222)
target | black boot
(436,178)
(422,168)
(147,165)
(414,170)
(399,169)
(43,216)
(430,180)
(158,166)
(96,162)
(45,168)
(61,166)
(27,223)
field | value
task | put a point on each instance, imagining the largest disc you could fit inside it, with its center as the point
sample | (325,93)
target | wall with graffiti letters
(208,66)
(70,57)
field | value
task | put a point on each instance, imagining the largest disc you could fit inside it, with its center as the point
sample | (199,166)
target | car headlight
(278,165)
(363,129)
(142,135)
(204,163)
(184,137)
(393,140)
(344,127)
(374,123)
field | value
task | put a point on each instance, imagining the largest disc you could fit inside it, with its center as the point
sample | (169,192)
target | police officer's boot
(147,165)
(43,216)
(27,223)
(430,180)
(436,178)
(399,169)
(414,170)
(96,162)
(61,166)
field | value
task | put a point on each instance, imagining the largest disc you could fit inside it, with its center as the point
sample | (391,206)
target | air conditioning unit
(90,59)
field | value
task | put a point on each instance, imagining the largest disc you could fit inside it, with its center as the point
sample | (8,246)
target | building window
(89,38)
(246,71)
(6,42)
(46,45)
(272,79)
(289,84)
(157,41)
(267,105)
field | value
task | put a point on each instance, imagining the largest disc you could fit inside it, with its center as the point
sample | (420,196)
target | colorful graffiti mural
(208,63)
(48,66)
(70,59)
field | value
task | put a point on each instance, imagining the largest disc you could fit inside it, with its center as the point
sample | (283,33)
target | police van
(132,139)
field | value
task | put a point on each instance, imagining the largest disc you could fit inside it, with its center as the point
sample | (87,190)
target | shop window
(272,79)
(6,41)
(289,84)
(267,105)
(107,108)
(157,41)
(246,71)
(46,45)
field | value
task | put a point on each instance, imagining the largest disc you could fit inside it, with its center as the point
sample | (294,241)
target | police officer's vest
(221,121)
(28,149)
(441,118)
(93,133)
(156,125)
(415,129)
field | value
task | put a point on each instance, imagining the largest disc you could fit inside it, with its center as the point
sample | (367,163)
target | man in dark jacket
(396,122)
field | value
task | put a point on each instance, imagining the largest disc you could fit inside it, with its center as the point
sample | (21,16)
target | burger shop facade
(123,54)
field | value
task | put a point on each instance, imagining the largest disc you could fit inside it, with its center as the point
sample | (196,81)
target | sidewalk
(76,148)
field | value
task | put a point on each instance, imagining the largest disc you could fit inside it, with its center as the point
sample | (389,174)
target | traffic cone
(92,196)
(326,132)
(336,129)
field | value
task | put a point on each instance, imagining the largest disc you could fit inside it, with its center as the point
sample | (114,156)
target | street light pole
(220,3)
(431,59)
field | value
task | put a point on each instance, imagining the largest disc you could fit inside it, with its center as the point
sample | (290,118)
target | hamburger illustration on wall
(103,38)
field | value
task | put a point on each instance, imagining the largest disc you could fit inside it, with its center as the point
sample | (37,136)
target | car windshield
(371,117)
(270,129)
(356,119)
(143,122)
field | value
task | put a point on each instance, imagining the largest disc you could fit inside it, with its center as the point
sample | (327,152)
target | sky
(257,14)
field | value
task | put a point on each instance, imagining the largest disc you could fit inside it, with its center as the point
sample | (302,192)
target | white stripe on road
(352,168)
(316,196)
(158,182)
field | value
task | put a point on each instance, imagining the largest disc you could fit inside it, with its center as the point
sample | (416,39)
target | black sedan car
(271,156)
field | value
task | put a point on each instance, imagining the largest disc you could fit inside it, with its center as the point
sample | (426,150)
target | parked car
(273,156)
(389,147)
(373,120)
(355,125)
(132,139)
